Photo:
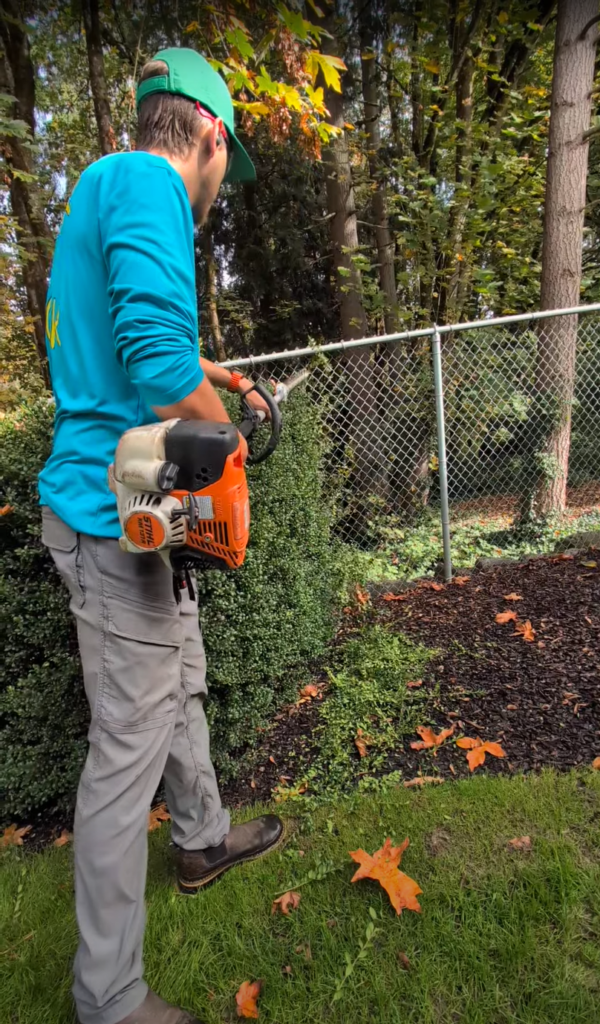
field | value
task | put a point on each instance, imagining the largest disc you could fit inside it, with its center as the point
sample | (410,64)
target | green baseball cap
(192,76)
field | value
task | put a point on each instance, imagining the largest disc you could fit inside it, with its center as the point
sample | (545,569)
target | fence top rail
(423,332)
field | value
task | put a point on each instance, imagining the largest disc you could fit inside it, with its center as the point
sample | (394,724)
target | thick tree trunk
(452,285)
(383,235)
(93,40)
(360,413)
(17,79)
(574,58)
(212,312)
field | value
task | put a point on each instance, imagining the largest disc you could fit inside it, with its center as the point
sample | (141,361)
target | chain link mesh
(522,405)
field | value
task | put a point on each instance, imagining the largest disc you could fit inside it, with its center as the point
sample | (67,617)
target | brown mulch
(539,699)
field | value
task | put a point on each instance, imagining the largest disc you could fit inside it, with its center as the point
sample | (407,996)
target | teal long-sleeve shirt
(121,325)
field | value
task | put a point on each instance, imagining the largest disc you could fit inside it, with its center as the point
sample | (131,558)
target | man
(122,341)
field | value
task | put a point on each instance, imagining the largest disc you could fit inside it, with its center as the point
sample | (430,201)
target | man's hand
(253,399)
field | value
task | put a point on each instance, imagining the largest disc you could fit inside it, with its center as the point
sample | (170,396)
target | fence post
(436,351)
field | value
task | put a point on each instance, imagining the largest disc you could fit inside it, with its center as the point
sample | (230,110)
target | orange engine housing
(225,536)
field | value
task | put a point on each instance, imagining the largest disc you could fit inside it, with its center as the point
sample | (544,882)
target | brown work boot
(154,1010)
(196,868)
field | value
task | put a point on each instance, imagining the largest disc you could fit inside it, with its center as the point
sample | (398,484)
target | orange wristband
(234,381)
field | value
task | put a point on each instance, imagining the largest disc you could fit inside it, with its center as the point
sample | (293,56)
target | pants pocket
(142,669)
(65,547)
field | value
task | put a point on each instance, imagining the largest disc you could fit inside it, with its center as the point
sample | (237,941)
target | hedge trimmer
(181,484)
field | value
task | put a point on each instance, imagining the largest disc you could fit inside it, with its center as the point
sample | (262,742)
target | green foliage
(368,693)
(400,552)
(273,615)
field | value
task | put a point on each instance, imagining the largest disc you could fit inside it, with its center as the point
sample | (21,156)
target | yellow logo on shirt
(52,318)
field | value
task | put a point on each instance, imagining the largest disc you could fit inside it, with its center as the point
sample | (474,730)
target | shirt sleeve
(147,240)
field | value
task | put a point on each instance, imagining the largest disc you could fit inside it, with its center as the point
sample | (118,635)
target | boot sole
(187,888)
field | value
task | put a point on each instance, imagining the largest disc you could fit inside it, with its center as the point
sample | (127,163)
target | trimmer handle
(253,419)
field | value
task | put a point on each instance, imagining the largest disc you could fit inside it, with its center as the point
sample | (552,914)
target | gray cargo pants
(144,672)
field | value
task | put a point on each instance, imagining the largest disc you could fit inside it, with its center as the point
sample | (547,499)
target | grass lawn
(504,936)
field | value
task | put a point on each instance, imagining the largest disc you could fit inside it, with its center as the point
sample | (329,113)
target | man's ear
(212,139)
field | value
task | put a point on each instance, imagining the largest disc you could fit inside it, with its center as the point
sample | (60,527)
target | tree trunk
(93,40)
(17,79)
(360,413)
(574,58)
(383,235)
(210,273)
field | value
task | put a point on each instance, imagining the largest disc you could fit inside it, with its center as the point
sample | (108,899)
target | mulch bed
(539,699)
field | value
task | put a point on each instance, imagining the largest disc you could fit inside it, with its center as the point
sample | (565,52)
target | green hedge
(260,623)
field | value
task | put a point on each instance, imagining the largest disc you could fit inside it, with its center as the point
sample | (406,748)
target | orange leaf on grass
(513,597)
(526,630)
(361,595)
(429,739)
(13,836)
(157,816)
(596,764)
(478,749)
(503,617)
(289,901)
(246,997)
(382,867)
(415,684)
(521,843)
(6,510)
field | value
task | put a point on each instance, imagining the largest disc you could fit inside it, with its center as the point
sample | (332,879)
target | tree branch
(590,24)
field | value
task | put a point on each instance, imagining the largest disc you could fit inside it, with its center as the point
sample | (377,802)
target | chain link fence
(498,451)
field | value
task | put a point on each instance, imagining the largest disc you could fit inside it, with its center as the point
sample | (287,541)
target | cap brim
(242,168)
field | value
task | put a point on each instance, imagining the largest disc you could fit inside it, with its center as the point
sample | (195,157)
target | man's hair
(166,121)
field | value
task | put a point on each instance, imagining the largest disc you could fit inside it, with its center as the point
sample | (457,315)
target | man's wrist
(235,381)
(239,384)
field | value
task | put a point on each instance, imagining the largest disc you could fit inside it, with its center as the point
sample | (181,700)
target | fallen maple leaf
(246,997)
(429,738)
(513,597)
(13,836)
(422,780)
(157,816)
(433,586)
(289,901)
(414,685)
(521,843)
(361,595)
(395,597)
(382,867)
(361,742)
(308,692)
(503,617)
(478,749)
(404,961)
(596,764)
(6,509)
(64,838)
(461,580)
(526,630)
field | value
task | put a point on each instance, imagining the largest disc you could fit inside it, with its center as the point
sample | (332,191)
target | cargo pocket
(65,547)
(142,669)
